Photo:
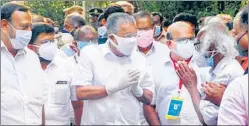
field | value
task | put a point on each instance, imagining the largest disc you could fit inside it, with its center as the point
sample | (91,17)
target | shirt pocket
(34,111)
(62,93)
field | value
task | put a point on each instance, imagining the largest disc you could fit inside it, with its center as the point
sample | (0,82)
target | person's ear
(4,24)
(113,39)
(211,47)
(31,47)
(168,43)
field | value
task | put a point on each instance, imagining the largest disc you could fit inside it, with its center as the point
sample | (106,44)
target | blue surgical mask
(102,32)
(82,44)
(68,51)
(210,60)
(157,30)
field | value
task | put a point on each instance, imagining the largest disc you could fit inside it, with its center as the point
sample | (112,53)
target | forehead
(20,17)
(181,31)
(87,35)
(128,28)
(144,22)
(156,17)
(43,37)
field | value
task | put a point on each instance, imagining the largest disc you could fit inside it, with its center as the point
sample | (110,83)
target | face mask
(102,40)
(48,50)
(22,38)
(157,30)
(102,32)
(82,44)
(68,51)
(125,45)
(242,52)
(184,50)
(210,60)
(145,38)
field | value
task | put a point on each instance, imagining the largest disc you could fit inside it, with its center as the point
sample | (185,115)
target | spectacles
(240,37)
(182,39)
(130,35)
(44,42)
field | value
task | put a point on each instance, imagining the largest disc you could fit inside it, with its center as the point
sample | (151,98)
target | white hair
(114,21)
(216,34)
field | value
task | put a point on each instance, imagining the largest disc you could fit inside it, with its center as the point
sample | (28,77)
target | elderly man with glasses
(172,102)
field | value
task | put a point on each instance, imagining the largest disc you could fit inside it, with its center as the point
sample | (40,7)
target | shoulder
(235,68)
(161,47)
(91,50)
(31,57)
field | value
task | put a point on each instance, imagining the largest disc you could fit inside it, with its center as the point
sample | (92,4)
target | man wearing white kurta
(58,72)
(113,78)
(22,84)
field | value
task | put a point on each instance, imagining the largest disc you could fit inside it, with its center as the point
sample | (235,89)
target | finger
(206,91)
(186,67)
(179,74)
(213,85)
(222,85)
(134,72)
(181,67)
(135,77)
(208,88)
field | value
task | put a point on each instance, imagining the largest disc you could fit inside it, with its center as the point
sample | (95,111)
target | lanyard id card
(174,108)
(176,102)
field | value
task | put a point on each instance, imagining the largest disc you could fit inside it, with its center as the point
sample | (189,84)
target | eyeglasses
(130,35)
(240,37)
(44,42)
(182,39)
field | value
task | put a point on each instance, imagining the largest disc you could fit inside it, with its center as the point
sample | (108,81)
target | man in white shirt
(112,77)
(154,52)
(180,39)
(22,82)
(234,105)
(58,71)
(218,49)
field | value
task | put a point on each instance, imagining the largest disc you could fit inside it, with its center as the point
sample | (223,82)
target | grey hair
(76,19)
(116,19)
(84,30)
(216,34)
(143,14)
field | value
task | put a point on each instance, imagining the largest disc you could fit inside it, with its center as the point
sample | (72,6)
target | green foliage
(54,9)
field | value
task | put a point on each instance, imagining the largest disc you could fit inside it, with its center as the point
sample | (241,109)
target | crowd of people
(123,68)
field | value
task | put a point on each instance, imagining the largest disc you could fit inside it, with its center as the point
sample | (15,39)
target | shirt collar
(19,52)
(152,50)
(220,66)
(106,48)
(107,53)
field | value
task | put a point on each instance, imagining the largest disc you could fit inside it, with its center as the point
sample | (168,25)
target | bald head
(181,30)
(86,33)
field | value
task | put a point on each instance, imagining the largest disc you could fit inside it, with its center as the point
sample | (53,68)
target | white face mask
(22,38)
(48,50)
(184,50)
(125,45)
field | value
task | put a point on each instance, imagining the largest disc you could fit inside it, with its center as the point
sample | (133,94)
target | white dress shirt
(22,88)
(234,104)
(158,54)
(98,66)
(225,71)
(166,86)
(59,75)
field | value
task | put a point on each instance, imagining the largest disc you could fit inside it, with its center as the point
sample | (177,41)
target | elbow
(80,93)
(147,96)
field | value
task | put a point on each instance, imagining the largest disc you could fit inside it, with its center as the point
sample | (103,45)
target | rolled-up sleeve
(83,74)
(147,81)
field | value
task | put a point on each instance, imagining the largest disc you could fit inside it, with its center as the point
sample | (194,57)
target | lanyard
(180,81)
